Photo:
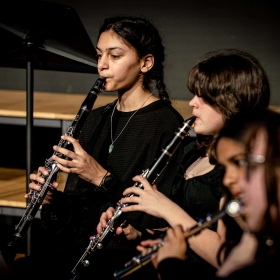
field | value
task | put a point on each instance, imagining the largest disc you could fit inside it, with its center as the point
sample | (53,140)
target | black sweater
(173,268)
(74,215)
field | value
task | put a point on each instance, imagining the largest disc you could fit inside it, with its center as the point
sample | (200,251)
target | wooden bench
(60,106)
(13,186)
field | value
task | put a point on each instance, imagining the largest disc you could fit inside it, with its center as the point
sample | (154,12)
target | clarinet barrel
(37,197)
(157,168)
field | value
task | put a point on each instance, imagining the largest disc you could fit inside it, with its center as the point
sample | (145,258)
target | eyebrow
(109,49)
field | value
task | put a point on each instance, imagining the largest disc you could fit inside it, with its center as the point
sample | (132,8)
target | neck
(133,101)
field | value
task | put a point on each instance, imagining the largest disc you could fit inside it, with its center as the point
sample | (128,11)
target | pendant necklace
(111,147)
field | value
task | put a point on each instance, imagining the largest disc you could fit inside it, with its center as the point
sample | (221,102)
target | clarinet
(37,197)
(151,174)
(232,209)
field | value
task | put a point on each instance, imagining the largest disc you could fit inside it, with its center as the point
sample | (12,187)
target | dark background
(190,28)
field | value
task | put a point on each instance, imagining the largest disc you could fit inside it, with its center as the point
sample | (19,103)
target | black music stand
(45,36)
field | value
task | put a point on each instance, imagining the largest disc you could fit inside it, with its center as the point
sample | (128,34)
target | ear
(147,63)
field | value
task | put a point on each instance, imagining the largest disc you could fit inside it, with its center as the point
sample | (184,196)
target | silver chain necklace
(111,147)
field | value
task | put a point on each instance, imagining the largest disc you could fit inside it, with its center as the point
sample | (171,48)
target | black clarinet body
(232,209)
(37,197)
(151,174)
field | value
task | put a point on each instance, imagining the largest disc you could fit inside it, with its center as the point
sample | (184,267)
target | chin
(108,89)
(201,132)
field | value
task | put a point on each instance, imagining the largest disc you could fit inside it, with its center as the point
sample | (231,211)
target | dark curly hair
(143,36)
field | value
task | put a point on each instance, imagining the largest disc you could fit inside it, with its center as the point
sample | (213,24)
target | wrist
(103,179)
(107,182)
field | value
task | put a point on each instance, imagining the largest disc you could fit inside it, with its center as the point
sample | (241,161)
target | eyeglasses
(256,159)
(252,163)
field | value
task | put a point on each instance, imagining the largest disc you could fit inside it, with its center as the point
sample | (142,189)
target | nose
(229,180)
(193,102)
(102,63)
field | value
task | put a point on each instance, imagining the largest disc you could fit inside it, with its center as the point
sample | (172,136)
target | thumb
(119,230)
(154,187)
(154,260)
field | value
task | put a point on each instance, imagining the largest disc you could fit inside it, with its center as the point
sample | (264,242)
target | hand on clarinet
(37,179)
(175,246)
(126,231)
(147,199)
(145,244)
(79,162)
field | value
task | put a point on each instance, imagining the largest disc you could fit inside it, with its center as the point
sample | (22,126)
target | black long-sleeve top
(75,213)
(199,197)
(173,268)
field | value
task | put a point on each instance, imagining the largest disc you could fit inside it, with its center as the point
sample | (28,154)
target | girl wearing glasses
(253,142)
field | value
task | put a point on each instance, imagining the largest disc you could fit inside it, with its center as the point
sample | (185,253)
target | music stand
(45,36)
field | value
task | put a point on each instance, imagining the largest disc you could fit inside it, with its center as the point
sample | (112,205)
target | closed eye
(239,162)
(115,56)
